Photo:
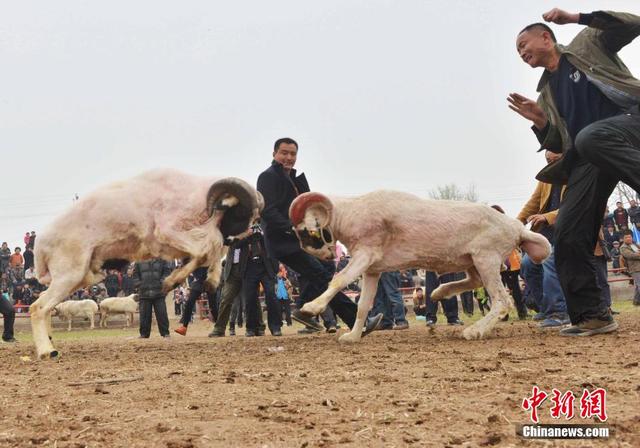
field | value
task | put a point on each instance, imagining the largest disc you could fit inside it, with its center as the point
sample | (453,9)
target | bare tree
(454,193)
(623,193)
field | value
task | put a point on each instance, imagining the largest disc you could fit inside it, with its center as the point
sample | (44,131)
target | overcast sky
(404,95)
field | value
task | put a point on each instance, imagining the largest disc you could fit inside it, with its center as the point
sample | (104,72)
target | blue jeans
(449,305)
(388,300)
(543,279)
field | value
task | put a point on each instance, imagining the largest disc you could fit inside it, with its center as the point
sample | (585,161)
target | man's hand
(560,17)
(527,108)
(537,219)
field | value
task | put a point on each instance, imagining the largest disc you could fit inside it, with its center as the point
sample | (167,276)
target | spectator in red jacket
(621,217)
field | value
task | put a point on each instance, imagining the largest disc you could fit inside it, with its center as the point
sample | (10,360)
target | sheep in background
(118,305)
(76,308)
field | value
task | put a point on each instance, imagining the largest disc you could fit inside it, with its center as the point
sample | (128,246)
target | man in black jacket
(149,276)
(279,186)
(112,283)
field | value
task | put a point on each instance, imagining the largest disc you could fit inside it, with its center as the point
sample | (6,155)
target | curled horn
(300,205)
(238,216)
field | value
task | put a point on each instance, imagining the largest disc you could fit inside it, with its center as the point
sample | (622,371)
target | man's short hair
(618,202)
(539,26)
(627,232)
(286,141)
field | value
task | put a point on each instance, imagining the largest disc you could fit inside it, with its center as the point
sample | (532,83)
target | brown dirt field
(406,388)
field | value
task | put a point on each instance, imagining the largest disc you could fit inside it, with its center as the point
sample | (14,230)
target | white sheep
(389,230)
(118,305)
(161,213)
(76,308)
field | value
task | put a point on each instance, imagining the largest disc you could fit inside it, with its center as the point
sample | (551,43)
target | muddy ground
(403,388)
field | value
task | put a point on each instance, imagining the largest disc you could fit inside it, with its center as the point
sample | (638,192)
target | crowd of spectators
(17,276)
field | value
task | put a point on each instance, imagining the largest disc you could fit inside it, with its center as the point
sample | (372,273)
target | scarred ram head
(237,201)
(310,214)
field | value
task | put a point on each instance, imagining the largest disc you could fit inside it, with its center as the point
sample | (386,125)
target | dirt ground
(405,388)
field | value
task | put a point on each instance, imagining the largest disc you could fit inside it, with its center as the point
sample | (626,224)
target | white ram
(388,230)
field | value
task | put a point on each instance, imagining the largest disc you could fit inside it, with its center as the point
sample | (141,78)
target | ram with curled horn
(390,230)
(161,213)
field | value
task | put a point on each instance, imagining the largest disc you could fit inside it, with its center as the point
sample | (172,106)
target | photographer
(260,270)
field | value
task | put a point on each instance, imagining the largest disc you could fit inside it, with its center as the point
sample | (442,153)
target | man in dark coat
(112,283)
(279,186)
(28,258)
(149,276)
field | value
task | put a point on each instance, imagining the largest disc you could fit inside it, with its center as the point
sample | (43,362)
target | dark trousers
(603,281)
(315,276)
(230,289)
(112,292)
(189,305)
(213,305)
(605,152)
(255,275)
(285,308)
(449,306)
(160,309)
(6,309)
(511,281)
(467,302)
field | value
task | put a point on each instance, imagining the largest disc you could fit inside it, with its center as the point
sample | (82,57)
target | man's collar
(544,79)
(278,166)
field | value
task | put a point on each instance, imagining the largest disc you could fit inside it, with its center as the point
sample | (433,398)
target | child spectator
(283,293)
(419,303)
(615,256)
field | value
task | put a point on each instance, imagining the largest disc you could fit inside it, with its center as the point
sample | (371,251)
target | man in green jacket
(588,111)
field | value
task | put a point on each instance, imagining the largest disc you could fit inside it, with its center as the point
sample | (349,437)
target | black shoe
(306,320)
(372,324)
(143,337)
(431,323)
(591,327)
(232,331)
(250,333)
(456,322)
(215,334)
(9,340)
(276,332)
(260,331)
(332,329)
